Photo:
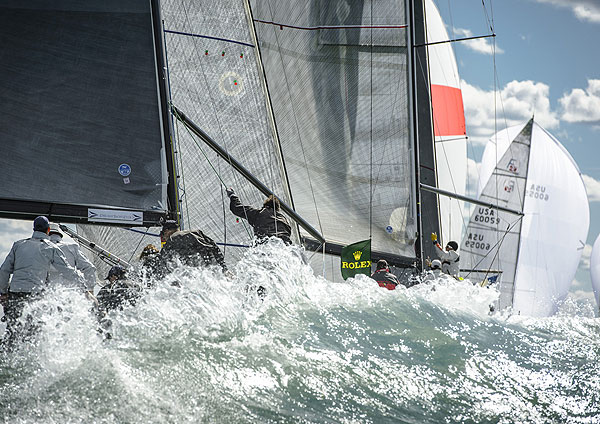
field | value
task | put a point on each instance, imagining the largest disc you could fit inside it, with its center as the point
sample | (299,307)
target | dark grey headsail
(81,121)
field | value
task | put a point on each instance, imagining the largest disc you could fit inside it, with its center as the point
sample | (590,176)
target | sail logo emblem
(231,84)
(357,255)
(509,186)
(124,169)
(512,166)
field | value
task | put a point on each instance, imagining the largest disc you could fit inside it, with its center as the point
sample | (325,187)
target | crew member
(74,257)
(150,259)
(267,221)
(450,259)
(192,247)
(29,262)
(384,277)
(116,291)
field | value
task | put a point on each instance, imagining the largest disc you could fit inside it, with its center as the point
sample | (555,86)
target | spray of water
(211,349)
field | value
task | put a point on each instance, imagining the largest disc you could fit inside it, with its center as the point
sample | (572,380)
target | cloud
(472,177)
(516,103)
(480,45)
(12,230)
(472,182)
(585,257)
(582,106)
(583,295)
(592,186)
(584,10)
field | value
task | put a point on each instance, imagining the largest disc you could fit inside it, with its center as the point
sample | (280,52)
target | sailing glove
(230,192)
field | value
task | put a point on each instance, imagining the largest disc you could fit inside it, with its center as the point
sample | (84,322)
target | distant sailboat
(595,270)
(525,168)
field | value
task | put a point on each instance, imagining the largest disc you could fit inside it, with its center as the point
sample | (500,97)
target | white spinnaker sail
(448,124)
(553,228)
(595,270)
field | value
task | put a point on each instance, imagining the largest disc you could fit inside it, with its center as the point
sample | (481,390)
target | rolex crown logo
(357,255)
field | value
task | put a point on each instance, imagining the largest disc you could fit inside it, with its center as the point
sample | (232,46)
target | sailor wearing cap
(29,262)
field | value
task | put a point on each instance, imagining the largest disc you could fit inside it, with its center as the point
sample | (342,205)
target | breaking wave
(312,351)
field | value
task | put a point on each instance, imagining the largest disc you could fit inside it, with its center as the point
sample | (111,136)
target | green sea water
(312,352)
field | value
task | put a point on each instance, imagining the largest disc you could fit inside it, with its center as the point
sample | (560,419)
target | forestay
(538,254)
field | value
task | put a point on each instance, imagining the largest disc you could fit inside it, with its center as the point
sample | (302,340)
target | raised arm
(88,269)
(235,205)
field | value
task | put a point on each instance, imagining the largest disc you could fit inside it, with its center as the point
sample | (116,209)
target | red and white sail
(448,124)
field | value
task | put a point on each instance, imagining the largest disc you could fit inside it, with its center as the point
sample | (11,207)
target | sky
(546,62)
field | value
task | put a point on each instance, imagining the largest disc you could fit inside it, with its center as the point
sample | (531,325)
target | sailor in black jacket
(192,247)
(267,221)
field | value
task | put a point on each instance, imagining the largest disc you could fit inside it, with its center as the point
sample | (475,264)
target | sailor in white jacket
(29,262)
(74,258)
(450,259)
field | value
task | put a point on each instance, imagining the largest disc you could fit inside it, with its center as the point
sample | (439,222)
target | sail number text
(537,192)
(476,241)
(486,216)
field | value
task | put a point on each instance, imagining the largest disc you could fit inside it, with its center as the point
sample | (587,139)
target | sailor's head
(272,202)
(149,250)
(382,264)
(41,224)
(55,229)
(168,228)
(436,264)
(452,245)
(116,273)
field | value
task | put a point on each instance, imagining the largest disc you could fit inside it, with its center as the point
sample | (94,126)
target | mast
(428,220)
(165,113)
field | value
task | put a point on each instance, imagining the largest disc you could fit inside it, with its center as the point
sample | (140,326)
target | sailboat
(326,105)
(533,253)
(595,270)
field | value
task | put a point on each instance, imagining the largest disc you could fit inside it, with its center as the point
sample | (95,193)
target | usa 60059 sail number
(486,216)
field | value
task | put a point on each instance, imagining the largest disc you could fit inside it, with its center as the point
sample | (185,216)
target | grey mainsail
(337,81)
(338,78)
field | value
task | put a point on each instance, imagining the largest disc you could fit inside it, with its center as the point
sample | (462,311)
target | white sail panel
(339,89)
(595,270)
(554,226)
(554,230)
(448,124)
(493,236)
(494,149)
